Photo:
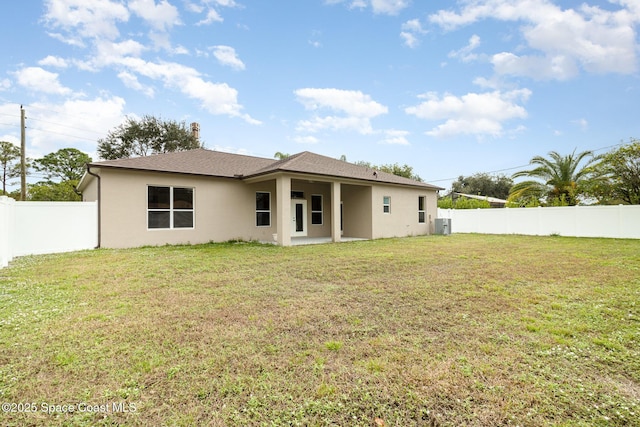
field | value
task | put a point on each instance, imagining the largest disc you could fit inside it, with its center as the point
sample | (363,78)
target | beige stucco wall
(90,191)
(356,209)
(403,218)
(224,209)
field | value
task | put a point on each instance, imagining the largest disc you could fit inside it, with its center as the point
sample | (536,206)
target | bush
(462,203)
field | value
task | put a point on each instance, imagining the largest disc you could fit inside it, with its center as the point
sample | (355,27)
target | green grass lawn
(443,330)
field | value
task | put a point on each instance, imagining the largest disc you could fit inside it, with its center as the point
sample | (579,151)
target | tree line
(561,180)
(552,180)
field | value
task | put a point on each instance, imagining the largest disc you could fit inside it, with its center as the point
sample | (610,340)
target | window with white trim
(386,204)
(316,209)
(169,207)
(422,200)
(263,209)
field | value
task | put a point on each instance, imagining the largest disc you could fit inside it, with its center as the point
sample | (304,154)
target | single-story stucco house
(199,196)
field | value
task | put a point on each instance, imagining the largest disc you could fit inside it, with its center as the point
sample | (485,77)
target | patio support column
(335,211)
(283,204)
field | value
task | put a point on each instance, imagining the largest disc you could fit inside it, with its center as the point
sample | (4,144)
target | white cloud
(583,124)
(597,40)
(212,16)
(410,32)
(354,103)
(396,137)
(225,3)
(95,22)
(75,122)
(388,7)
(472,114)
(5,84)
(216,98)
(410,39)
(131,81)
(37,79)
(385,7)
(53,61)
(161,16)
(466,53)
(356,109)
(558,67)
(308,139)
(226,55)
(90,18)
(109,53)
(212,13)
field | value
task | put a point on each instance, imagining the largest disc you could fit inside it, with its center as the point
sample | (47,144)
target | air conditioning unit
(443,226)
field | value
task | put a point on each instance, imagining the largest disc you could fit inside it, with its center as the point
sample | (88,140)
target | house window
(421,209)
(386,204)
(263,209)
(316,209)
(169,207)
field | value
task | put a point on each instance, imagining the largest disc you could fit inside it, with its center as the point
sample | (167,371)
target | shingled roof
(192,162)
(215,163)
(311,163)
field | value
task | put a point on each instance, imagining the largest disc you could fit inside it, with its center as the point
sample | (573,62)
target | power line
(63,125)
(524,166)
(63,134)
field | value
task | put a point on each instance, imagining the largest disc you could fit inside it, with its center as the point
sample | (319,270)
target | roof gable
(311,163)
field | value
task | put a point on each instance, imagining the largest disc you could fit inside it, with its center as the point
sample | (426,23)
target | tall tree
(66,164)
(9,153)
(149,135)
(618,176)
(405,170)
(44,191)
(281,156)
(483,184)
(561,180)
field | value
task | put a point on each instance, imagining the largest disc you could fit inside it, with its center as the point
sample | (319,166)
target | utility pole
(23,158)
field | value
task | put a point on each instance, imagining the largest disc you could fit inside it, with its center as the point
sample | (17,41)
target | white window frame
(386,204)
(321,211)
(172,209)
(263,210)
(422,213)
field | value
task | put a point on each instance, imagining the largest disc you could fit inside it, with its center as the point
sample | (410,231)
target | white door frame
(294,219)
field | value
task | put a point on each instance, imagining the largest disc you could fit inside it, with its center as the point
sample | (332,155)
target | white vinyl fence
(32,228)
(622,221)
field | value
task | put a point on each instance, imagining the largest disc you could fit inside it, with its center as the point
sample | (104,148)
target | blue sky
(450,88)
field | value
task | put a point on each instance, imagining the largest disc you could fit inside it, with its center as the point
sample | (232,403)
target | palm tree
(561,179)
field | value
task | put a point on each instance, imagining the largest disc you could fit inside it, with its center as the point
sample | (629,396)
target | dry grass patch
(447,331)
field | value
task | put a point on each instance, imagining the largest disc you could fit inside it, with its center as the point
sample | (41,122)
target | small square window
(386,204)
(159,219)
(159,198)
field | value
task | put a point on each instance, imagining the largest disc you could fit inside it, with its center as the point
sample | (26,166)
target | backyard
(454,330)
